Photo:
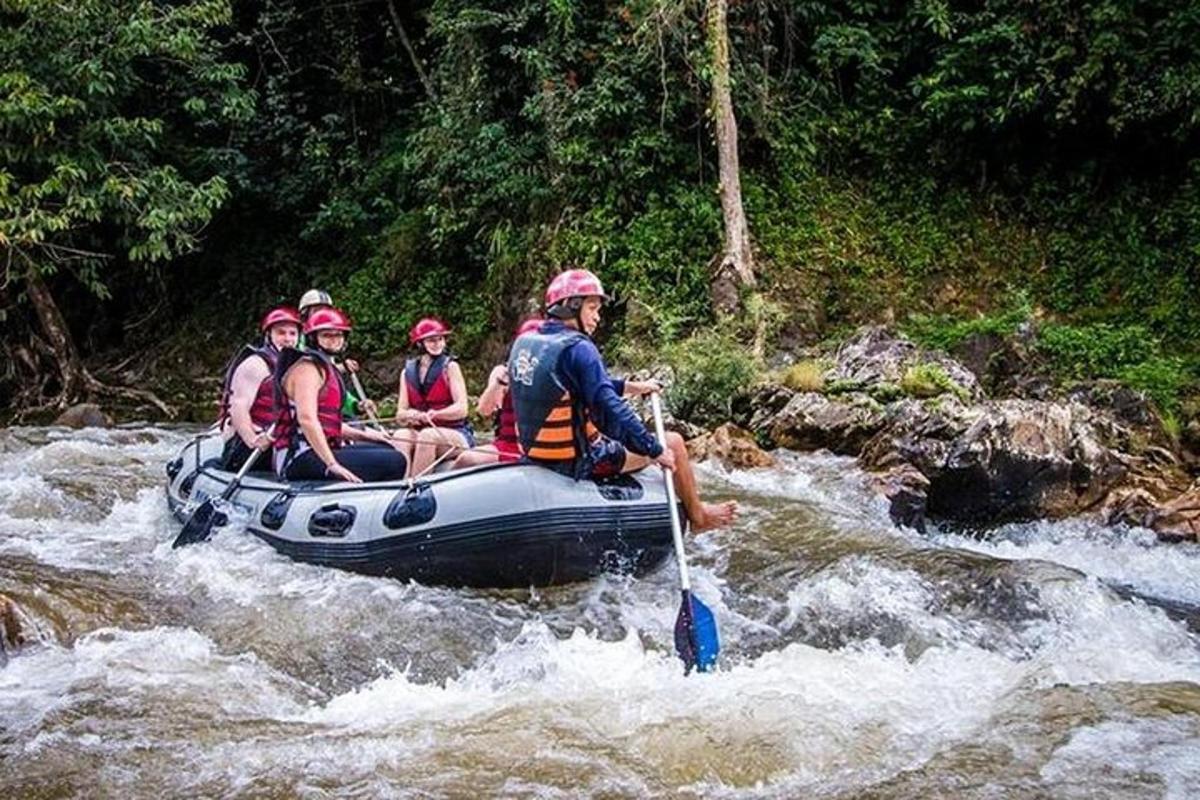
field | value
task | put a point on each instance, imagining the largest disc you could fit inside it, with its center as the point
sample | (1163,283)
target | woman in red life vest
(432,400)
(311,441)
(248,404)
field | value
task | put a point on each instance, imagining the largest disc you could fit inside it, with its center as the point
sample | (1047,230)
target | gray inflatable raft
(511,525)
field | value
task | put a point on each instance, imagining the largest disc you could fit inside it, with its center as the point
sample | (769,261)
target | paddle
(696,639)
(358,387)
(199,526)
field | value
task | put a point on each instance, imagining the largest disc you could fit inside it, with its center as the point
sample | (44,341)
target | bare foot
(716,515)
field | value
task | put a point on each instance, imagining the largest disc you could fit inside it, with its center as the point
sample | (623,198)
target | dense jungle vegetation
(172,168)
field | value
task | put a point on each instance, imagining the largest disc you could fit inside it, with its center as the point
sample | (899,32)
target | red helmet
(327,319)
(427,328)
(574,283)
(529,326)
(278,315)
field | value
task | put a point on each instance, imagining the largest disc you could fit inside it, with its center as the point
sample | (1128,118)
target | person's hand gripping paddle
(200,525)
(696,639)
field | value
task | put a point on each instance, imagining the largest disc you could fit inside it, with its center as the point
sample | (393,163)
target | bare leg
(408,439)
(487,454)
(432,443)
(702,516)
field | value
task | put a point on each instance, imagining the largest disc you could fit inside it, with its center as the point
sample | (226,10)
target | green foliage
(1130,354)
(1096,350)
(805,376)
(944,332)
(884,392)
(709,368)
(95,104)
(929,380)
(1163,379)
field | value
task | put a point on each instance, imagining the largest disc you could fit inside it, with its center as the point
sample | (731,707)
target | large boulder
(84,415)
(811,421)
(732,446)
(1012,459)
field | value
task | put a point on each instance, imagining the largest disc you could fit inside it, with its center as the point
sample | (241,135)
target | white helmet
(314,297)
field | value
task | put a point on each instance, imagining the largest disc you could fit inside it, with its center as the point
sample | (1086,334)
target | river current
(858,660)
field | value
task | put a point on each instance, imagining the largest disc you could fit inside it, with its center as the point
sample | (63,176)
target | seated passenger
(248,406)
(496,400)
(432,399)
(312,301)
(311,440)
(565,402)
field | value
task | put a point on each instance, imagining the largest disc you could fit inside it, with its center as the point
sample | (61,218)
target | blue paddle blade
(708,645)
(696,635)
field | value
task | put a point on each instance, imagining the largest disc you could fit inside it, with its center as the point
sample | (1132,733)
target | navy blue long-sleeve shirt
(582,372)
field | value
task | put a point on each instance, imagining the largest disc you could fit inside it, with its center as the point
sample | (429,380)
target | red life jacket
(263,411)
(433,393)
(329,408)
(506,422)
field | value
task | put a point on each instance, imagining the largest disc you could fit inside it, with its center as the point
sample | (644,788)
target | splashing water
(857,658)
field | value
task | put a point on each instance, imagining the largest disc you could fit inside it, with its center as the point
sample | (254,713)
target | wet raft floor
(858,660)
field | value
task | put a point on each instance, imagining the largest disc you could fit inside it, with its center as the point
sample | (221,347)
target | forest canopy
(167,164)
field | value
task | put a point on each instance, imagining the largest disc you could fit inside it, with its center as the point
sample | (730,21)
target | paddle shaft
(676,529)
(362,395)
(251,460)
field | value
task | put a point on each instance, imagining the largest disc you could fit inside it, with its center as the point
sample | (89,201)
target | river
(859,660)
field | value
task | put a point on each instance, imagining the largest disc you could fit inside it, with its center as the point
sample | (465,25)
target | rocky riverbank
(940,445)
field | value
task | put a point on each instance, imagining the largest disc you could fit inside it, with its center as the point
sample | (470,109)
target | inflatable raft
(512,525)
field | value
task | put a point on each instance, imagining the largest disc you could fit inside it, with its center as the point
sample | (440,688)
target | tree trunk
(76,382)
(412,53)
(73,376)
(735,269)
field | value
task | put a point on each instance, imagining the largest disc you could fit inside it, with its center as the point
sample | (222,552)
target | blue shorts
(606,458)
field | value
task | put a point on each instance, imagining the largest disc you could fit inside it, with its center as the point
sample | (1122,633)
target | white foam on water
(1092,636)
(1104,758)
(161,671)
(27,497)
(827,714)
(1131,556)
(859,586)
(121,540)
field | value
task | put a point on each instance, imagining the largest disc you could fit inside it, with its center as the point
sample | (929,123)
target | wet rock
(13,633)
(875,355)
(1127,405)
(1174,520)
(906,491)
(812,421)
(734,447)
(1179,519)
(997,461)
(84,415)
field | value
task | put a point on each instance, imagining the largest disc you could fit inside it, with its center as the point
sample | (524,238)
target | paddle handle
(676,529)
(358,387)
(241,473)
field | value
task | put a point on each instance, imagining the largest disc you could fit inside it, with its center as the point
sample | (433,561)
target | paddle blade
(685,633)
(199,526)
(696,635)
(708,645)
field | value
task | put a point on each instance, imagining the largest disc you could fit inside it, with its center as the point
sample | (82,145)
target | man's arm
(246,379)
(586,378)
